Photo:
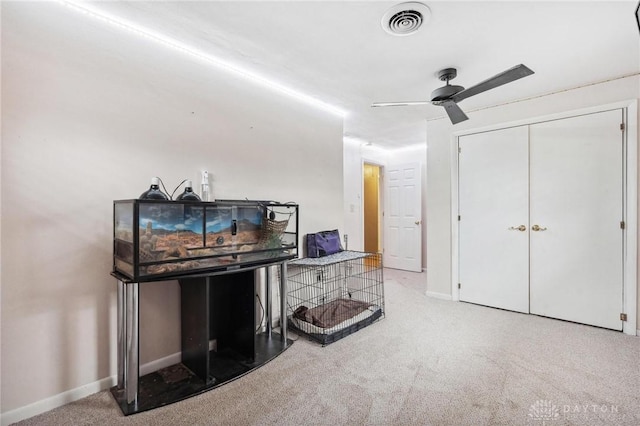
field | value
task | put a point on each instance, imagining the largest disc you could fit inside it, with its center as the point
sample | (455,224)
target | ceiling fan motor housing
(445,92)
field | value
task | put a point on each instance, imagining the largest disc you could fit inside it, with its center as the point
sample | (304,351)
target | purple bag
(323,243)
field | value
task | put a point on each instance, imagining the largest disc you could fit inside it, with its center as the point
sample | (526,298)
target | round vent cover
(405,18)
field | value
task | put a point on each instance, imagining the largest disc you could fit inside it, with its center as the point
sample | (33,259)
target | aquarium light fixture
(210,59)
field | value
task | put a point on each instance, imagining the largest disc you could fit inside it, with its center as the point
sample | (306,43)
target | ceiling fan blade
(505,77)
(409,103)
(456,115)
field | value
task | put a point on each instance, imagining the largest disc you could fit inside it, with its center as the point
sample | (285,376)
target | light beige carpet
(429,362)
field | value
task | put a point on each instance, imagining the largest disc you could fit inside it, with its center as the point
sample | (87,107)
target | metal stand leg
(121,334)
(283,302)
(267,302)
(131,367)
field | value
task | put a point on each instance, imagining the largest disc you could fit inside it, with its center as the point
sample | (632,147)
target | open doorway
(372,207)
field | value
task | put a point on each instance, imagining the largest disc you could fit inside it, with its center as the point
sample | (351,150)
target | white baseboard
(56,401)
(156,365)
(80,392)
(435,295)
(638,333)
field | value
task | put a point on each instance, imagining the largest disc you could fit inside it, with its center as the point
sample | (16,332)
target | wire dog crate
(333,296)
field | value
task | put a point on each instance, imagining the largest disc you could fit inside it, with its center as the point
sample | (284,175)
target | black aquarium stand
(216,307)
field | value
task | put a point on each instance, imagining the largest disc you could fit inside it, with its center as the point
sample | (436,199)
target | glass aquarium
(157,238)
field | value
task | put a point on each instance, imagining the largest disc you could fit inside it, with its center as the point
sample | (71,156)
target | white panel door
(494,214)
(577,200)
(403,217)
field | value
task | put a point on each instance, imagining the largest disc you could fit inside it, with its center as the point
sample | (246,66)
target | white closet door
(493,204)
(576,198)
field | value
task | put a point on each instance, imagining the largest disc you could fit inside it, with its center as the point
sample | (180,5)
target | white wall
(355,154)
(0,220)
(89,114)
(440,145)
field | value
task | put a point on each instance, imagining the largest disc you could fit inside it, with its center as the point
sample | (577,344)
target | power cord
(174,191)
(163,187)
(179,185)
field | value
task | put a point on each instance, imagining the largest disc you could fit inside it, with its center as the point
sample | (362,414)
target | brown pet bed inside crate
(334,320)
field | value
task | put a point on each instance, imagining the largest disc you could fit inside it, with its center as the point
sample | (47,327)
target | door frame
(630,199)
(380,201)
(381,198)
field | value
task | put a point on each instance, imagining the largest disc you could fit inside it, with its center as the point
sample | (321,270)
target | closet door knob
(521,228)
(538,228)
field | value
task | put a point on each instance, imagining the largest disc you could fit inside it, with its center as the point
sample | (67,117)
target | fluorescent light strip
(421,145)
(219,63)
(363,144)
(354,140)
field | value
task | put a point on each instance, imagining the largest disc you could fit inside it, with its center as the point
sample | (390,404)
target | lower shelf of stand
(176,382)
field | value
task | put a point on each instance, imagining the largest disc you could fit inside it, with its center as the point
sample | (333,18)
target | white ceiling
(338,52)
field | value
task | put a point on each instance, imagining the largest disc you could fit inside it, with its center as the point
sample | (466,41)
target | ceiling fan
(448,96)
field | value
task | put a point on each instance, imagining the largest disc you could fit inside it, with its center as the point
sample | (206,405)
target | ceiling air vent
(405,18)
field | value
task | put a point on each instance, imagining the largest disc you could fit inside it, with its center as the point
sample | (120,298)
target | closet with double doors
(541,226)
